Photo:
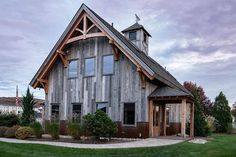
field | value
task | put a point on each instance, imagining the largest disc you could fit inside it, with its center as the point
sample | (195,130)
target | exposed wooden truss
(84,27)
(63,57)
(44,84)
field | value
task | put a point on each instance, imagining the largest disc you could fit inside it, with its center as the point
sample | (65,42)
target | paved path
(150,142)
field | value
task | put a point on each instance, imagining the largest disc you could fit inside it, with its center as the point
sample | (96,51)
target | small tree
(221,111)
(200,125)
(28,112)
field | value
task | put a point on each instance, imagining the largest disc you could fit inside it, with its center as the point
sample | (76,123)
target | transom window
(76,114)
(132,35)
(107,64)
(89,66)
(73,65)
(102,106)
(129,113)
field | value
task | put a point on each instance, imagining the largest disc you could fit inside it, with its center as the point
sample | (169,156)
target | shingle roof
(160,73)
(135,26)
(167,92)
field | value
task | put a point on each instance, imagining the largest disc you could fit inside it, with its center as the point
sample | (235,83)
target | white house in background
(8,105)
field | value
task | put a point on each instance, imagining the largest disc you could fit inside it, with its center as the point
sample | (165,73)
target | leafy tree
(221,111)
(28,112)
(204,101)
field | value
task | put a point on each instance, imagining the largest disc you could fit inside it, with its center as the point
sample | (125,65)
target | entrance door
(156,120)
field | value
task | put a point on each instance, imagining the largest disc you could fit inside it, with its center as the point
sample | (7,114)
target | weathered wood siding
(116,89)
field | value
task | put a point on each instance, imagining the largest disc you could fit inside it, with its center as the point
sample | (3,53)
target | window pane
(102,106)
(76,114)
(132,35)
(107,64)
(129,113)
(73,68)
(89,66)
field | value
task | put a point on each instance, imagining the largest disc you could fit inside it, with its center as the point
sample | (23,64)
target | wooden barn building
(93,66)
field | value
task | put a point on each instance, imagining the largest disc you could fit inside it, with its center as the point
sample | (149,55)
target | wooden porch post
(192,120)
(151,118)
(164,119)
(183,118)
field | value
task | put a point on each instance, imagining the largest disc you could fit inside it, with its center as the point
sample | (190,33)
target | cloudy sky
(194,39)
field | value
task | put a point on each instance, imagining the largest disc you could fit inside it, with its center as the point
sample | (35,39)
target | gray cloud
(180,29)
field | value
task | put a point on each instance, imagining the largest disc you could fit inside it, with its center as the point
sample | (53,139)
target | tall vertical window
(107,64)
(129,113)
(89,66)
(76,112)
(55,112)
(155,116)
(73,65)
(132,35)
(167,116)
(102,106)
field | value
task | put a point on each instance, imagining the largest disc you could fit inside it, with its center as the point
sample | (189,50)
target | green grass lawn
(219,146)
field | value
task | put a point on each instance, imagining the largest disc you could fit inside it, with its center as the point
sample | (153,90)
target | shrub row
(21,132)
(9,120)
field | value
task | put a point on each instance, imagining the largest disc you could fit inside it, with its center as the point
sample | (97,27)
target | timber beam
(44,84)
(63,57)
(142,77)
(115,50)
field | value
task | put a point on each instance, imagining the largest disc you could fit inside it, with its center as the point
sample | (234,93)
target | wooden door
(156,120)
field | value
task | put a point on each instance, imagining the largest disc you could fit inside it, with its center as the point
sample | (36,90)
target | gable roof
(136,26)
(167,92)
(150,65)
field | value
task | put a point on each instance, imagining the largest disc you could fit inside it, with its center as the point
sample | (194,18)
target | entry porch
(171,112)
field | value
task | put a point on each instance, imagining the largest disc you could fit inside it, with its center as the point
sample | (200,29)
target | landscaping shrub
(87,124)
(24,132)
(221,111)
(211,124)
(10,133)
(54,130)
(3,129)
(37,129)
(99,125)
(9,120)
(74,130)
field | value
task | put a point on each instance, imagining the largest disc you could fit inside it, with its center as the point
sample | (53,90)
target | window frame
(123,117)
(113,67)
(81,109)
(71,60)
(94,57)
(135,35)
(102,102)
(55,104)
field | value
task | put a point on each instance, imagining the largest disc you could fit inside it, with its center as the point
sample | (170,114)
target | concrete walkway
(150,142)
